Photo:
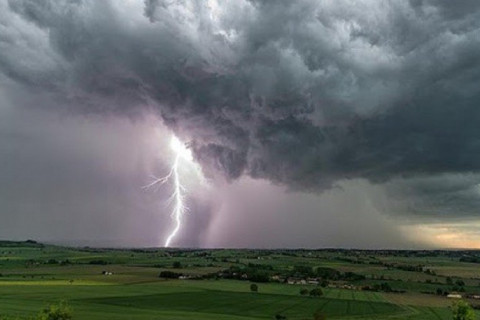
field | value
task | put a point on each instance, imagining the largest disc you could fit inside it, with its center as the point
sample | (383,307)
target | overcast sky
(311,123)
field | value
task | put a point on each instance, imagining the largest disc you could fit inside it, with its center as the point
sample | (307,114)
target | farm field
(217,284)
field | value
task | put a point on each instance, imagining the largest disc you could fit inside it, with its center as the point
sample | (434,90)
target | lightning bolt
(179,192)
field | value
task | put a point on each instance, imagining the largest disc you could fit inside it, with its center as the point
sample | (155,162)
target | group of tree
(458,282)
(316,292)
(471,259)
(384,286)
(253,274)
(324,273)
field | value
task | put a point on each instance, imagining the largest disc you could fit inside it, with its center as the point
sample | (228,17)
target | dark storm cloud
(442,197)
(449,9)
(301,93)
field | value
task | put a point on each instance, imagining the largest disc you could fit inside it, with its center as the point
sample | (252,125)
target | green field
(204,300)
(34,275)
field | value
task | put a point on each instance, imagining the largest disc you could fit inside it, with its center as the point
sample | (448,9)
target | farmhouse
(296,281)
(349,287)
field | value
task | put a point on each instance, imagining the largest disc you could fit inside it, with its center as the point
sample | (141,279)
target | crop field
(217,284)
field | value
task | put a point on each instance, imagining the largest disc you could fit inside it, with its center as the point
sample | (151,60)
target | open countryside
(235,284)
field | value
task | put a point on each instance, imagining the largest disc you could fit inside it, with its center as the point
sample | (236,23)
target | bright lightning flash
(178,195)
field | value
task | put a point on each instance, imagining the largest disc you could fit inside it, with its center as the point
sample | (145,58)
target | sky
(311,124)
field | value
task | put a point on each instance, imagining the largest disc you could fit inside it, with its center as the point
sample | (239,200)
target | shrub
(319,316)
(253,287)
(462,311)
(60,311)
(460,283)
(317,292)
(98,262)
(170,275)
(385,286)
(303,292)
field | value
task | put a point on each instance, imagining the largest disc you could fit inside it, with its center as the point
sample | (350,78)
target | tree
(317,292)
(60,311)
(253,287)
(462,311)
(177,265)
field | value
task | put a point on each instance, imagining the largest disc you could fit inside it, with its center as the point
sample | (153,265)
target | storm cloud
(303,94)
